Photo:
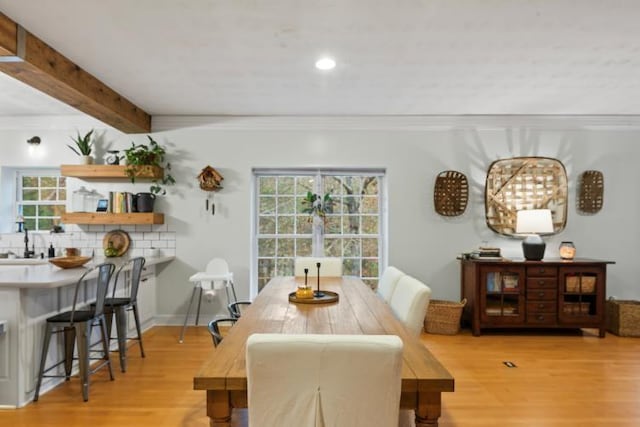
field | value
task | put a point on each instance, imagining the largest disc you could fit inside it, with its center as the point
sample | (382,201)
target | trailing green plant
(152,154)
(83,144)
(317,205)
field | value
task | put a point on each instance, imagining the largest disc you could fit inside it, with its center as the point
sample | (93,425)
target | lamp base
(533,248)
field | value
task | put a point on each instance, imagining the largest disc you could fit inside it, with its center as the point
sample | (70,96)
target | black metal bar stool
(120,305)
(76,325)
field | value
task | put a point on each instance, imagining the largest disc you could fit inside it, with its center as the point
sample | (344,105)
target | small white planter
(86,160)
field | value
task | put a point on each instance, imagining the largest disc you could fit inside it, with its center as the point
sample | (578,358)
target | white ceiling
(403,57)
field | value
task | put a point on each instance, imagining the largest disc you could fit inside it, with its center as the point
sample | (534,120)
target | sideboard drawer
(541,318)
(542,283)
(542,271)
(541,294)
(541,306)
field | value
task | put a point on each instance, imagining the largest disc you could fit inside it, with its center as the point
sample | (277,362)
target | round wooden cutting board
(120,240)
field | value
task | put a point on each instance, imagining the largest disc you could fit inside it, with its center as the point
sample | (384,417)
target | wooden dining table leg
(429,409)
(219,408)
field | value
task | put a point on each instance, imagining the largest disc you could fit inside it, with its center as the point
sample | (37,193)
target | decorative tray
(327,298)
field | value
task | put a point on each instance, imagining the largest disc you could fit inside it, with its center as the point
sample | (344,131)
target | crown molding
(51,122)
(396,123)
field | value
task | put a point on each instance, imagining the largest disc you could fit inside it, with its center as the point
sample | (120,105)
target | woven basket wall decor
(451,193)
(525,183)
(591,192)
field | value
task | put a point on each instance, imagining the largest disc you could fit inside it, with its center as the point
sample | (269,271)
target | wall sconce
(34,140)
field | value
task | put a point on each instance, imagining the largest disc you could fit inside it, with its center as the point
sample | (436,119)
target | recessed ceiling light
(325,64)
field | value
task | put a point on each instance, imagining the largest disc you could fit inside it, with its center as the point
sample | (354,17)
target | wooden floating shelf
(113,218)
(110,171)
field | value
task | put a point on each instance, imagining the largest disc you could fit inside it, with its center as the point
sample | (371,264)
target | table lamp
(532,222)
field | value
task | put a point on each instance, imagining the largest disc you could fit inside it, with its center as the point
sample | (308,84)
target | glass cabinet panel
(502,294)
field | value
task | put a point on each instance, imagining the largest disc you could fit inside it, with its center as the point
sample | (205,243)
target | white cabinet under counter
(29,294)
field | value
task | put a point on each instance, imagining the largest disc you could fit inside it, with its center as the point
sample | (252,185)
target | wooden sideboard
(551,293)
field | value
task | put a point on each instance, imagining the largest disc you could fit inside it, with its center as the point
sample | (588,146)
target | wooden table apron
(359,311)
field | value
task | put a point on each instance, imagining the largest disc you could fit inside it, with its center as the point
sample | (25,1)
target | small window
(41,198)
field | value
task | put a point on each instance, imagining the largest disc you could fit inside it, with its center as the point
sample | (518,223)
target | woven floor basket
(443,317)
(623,317)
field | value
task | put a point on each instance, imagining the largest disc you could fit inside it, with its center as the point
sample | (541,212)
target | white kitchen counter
(29,294)
(45,276)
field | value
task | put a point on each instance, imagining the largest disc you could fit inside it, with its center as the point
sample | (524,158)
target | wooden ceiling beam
(25,57)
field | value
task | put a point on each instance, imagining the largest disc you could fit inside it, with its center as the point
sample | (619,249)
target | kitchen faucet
(28,253)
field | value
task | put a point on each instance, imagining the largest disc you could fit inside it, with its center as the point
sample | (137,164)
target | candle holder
(306,291)
(317,293)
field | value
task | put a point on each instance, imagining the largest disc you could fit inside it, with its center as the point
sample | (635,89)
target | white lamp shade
(534,221)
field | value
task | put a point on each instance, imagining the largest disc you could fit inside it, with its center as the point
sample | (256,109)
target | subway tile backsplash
(88,238)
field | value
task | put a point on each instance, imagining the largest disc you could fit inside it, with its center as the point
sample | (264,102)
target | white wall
(421,242)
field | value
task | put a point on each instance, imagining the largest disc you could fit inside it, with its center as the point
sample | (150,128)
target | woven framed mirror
(522,183)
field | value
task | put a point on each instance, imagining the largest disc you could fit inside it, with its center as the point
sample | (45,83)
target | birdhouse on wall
(210,179)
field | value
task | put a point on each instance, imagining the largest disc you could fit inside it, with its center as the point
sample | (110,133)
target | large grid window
(352,231)
(40,198)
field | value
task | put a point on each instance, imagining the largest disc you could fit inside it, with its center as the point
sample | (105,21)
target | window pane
(303,224)
(267,225)
(332,247)
(351,224)
(63,181)
(45,224)
(29,181)
(285,266)
(286,185)
(370,186)
(352,184)
(351,267)
(303,247)
(351,205)
(332,185)
(45,210)
(267,185)
(30,223)
(332,224)
(62,194)
(370,247)
(29,210)
(58,210)
(286,205)
(370,268)
(369,205)
(351,247)
(48,181)
(285,248)
(30,195)
(266,247)
(285,225)
(267,205)
(370,225)
(48,194)
(304,184)
(266,269)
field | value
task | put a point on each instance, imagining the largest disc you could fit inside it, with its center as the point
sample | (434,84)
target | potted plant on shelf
(139,156)
(317,206)
(83,147)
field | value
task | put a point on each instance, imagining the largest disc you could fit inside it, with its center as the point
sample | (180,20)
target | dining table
(223,376)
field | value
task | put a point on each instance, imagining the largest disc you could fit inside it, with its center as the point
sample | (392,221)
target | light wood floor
(564,380)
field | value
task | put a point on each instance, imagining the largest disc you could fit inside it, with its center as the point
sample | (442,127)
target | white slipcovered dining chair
(323,380)
(329,266)
(409,303)
(388,282)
